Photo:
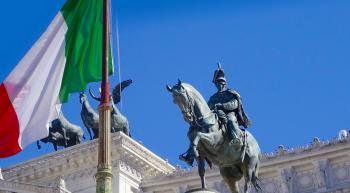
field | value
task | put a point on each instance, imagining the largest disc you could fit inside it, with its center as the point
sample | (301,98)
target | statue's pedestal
(201,190)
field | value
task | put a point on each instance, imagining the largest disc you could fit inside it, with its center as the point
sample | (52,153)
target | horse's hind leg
(65,138)
(231,176)
(255,179)
(95,131)
(248,173)
(249,169)
(77,139)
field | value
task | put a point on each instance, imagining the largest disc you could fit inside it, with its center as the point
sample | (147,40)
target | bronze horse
(91,119)
(63,133)
(209,141)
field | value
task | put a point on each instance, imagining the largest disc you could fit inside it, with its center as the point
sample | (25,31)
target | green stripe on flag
(83,45)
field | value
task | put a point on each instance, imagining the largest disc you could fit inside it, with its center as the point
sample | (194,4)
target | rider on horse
(227,104)
(215,142)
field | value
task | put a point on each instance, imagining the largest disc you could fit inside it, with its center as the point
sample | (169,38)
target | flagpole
(104,167)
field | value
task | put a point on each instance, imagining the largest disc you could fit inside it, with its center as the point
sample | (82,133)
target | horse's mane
(194,92)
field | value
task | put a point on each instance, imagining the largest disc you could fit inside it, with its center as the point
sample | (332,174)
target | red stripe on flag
(9,126)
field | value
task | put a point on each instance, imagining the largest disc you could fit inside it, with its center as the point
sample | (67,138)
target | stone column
(321,173)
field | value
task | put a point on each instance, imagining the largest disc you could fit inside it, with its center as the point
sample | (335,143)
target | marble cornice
(315,146)
(305,154)
(139,152)
(84,156)
(53,163)
(16,186)
(128,170)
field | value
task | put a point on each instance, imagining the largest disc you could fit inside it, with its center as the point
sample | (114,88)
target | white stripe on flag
(34,84)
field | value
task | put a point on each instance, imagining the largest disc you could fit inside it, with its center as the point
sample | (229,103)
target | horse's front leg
(201,170)
(89,131)
(194,145)
(65,138)
(192,152)
(54,145)
(37,144)
(113,124)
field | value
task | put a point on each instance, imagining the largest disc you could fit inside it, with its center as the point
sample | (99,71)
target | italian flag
(65,58)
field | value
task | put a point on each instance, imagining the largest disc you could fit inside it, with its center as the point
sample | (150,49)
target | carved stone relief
(341,173)
(304,182)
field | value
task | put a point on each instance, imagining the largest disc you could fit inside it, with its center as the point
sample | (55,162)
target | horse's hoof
(186,159)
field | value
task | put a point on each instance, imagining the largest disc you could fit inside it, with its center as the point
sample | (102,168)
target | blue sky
(289,60)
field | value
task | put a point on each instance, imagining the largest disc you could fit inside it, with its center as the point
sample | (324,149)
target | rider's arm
(230,106)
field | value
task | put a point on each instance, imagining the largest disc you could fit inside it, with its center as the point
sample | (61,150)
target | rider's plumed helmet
(219,75)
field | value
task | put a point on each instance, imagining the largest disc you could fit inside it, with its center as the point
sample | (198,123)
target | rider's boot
(235,140)
(189,156)
(186,158)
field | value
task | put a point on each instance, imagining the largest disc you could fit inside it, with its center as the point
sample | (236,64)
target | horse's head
(183,99)
(82,97)
(193,106)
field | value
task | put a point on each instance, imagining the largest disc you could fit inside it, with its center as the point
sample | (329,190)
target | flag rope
(117,43)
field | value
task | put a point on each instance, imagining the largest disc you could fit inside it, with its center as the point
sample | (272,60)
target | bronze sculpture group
(215,132)
(215,135)
(62,133)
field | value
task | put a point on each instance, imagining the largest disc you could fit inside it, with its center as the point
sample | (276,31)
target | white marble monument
(320,167)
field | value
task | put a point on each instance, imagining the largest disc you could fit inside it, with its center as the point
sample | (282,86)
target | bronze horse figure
(91,119)
(63,133)
(209,141)
(118,121)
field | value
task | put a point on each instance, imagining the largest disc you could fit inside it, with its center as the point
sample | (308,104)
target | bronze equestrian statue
(215,135)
